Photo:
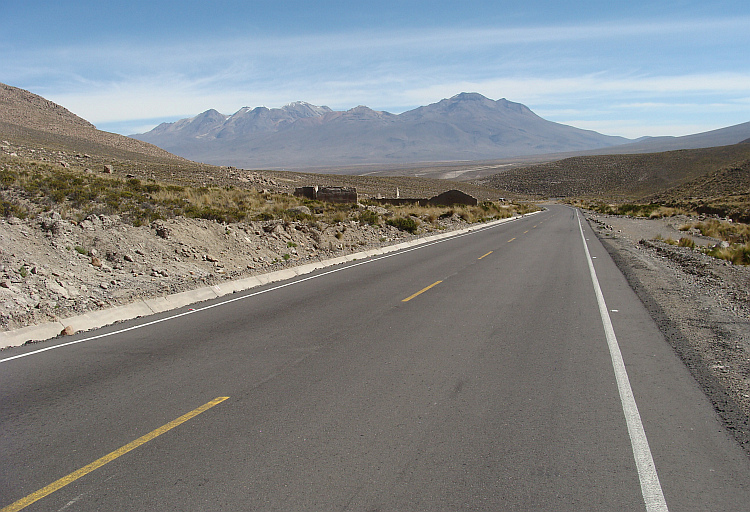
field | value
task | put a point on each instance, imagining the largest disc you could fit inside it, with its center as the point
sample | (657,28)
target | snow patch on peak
(304,109)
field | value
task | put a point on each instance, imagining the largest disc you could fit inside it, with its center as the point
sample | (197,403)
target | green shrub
(10,209)
(404,224)
(369,217)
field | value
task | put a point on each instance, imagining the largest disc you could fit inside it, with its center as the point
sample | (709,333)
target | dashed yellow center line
(59,484)
(485,255)
(511,239)
(407,299)
(525,231)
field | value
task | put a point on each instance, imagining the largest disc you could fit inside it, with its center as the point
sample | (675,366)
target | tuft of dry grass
(739,254)
(650,210)
(686,242)
(732,232)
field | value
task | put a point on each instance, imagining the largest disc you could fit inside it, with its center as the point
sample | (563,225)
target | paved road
(493,389)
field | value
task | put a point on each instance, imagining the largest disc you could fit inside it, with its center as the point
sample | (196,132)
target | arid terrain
(108,241)
(701,304)
(92,220)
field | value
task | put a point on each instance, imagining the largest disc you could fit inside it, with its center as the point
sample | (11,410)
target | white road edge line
(653,496)
(243,297)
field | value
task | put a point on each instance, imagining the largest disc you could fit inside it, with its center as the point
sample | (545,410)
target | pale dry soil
(52,268)
(701,304)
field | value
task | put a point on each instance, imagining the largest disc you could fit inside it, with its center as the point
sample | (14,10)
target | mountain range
(467,126)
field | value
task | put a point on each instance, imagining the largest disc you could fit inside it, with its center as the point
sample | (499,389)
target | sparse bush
(407,224)
(369,217)
(739,254)
(11,209)
(732,232)
(686,242)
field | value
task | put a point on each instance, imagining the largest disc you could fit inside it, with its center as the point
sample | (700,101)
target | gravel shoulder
(701,305)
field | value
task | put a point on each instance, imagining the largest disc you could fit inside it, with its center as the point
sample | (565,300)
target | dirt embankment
(701,304)
(52,268)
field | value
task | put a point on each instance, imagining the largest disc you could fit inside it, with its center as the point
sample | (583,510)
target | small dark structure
(453,197)
(445,199)
(328,194)
(307,192)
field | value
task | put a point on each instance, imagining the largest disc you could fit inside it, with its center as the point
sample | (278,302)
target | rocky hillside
(624,177)
(724,192)
(27,117)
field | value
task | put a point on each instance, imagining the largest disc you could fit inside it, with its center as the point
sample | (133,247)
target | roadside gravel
(701,304)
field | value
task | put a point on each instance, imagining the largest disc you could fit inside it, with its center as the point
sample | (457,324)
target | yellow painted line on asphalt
(59,484)
(525,231)
(407,299)
(511,239)
(485,255)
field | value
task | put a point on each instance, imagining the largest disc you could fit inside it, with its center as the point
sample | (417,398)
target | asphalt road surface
(498,387)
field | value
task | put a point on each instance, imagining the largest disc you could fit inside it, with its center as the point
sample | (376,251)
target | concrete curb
(145,307)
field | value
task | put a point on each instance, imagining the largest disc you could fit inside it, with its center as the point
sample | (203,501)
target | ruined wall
(328,194)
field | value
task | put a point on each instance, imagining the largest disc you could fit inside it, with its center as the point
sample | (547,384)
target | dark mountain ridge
(467,126)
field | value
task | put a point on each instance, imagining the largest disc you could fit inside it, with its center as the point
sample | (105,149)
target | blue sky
(621,68)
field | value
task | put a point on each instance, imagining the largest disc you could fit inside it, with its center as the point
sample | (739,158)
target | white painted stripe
(653,496)
(446,238)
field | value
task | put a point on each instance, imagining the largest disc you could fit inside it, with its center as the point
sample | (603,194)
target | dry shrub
(739,254)
(733,232)
(686,242)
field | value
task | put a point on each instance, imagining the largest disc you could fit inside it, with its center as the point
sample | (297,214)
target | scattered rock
(68,331)
(300,210)
(52,223)
(162,230)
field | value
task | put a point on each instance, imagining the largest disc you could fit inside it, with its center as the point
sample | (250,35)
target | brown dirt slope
(615,177)
(27,117)
(724,192)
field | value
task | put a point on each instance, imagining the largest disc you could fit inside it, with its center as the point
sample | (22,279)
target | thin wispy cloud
(589,67)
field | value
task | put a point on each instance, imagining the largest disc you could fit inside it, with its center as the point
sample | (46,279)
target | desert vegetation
(647,210)
(733,237)
(31,187)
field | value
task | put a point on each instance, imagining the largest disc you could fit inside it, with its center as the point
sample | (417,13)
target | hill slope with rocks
(25,116)
(467,126)
(624,177)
